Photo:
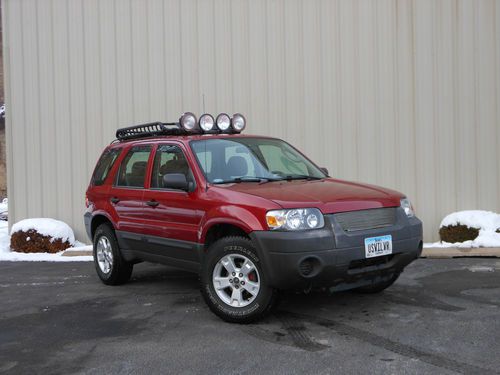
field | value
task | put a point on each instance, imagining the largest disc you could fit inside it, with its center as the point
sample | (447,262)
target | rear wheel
(111,268)
(377,287)
(234,283)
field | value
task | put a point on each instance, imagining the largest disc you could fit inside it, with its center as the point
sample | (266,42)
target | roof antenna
(206,156)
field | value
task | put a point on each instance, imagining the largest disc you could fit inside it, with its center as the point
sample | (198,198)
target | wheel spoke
(221,282)
(236,297)
(228,264)
(104,253)
(241,291)
(251,287)
(247,267)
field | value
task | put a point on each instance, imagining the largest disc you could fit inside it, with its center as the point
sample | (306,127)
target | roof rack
(151,129)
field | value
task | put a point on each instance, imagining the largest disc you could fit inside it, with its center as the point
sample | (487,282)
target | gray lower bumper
(331,257)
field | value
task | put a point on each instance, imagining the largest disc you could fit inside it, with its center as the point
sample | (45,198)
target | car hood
(329,195)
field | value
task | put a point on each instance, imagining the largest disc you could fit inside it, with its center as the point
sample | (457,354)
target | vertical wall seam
(70,112)
(395,90)
(55,134)
(42,190)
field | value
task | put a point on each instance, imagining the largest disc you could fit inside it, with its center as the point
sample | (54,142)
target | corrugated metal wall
(403,94)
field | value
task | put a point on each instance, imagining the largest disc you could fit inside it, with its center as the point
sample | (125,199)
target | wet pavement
(440,317)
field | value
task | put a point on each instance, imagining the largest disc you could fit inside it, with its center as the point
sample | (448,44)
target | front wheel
(111,268)
(233,281)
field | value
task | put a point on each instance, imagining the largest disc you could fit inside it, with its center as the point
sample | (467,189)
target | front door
(172,217)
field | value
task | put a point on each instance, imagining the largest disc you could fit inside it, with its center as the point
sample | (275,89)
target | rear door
(126,196)
(171,217)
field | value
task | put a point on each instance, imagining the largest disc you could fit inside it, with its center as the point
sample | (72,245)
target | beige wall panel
(399,93)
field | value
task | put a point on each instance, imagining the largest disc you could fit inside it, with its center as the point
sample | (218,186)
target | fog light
(188,122)
(238,122)
(223,122)
(206,122)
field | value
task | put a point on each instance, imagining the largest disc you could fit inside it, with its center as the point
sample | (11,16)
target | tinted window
(133,167)
(169,159)
(104,165)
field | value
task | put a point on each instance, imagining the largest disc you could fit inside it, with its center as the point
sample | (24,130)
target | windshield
(252,159)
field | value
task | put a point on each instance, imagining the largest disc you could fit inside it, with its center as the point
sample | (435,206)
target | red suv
(252,215)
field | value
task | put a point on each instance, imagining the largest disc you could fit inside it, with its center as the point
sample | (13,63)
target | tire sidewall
(105,231)
(221,248)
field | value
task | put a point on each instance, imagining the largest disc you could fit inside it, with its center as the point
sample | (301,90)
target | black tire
(378,287)
(120,270)
(264,299)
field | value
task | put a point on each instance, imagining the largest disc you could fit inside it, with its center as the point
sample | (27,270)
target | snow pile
(53,228)
(46,227)
(487,222)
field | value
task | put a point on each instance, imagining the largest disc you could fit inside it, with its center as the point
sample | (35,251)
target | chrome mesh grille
(366,219)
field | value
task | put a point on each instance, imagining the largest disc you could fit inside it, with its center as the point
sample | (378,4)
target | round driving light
(293,219)
(238,122)
(206,122)
(188,121)
(312,221)
(223,122)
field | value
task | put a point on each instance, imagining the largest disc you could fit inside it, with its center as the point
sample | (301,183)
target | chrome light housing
(407,206)
(223,122)
(295,219)
(238,122)
(188,122)
(206,122)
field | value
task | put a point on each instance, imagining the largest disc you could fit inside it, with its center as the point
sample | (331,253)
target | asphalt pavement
(441,317)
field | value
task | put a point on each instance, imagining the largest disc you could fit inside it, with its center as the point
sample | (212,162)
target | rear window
(104,165)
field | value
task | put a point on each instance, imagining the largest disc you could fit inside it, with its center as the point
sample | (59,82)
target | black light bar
(188,124)
(149,130)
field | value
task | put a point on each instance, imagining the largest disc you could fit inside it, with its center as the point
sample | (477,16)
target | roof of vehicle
(183,138)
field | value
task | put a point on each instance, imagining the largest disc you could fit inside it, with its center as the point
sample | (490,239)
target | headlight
(406,205)
(295,219)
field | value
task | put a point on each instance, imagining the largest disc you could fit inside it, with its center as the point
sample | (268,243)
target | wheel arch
(219,229)
(98,220)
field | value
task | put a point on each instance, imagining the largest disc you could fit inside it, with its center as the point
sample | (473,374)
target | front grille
(366,219)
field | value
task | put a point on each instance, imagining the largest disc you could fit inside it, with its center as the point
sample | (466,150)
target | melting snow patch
(42,257)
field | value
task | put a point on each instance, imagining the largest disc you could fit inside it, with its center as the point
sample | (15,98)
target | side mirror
(325,171)
(176,181)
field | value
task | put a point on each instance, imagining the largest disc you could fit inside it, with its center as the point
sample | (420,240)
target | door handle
(152,203)
(114,200)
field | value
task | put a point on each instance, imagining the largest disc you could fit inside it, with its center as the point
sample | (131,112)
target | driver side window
(169,159)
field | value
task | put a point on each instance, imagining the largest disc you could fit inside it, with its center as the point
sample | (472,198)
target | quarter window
(104,165)
(133,167)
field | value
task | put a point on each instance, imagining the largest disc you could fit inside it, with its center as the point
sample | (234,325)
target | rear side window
(133,167)
(104,165)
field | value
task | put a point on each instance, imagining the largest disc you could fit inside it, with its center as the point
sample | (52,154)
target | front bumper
(331,257)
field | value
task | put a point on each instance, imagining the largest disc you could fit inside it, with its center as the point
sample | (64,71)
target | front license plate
(377,246)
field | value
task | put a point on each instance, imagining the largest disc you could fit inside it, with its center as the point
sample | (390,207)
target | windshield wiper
(301,177)
(238,180)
